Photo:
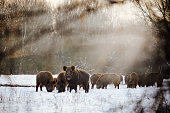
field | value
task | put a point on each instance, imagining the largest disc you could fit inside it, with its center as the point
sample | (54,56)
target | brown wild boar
(107,79)
(45,78)
(76,77)
(152,78)
(61,82)
(132,80)
(94,79)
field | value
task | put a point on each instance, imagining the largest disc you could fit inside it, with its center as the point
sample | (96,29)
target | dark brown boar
(94,79)
(107,79)
(142,80)
(132,80)
(45,78)
(61,82)
(76,77)
(152,78)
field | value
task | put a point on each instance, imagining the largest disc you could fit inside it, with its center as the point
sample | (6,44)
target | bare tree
(17,14)
(157,13)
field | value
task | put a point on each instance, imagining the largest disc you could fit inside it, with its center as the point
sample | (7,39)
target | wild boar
(152,78)
(45,78)
(132,80)
(107,79)
(76,77)
(61,82)
(94,79)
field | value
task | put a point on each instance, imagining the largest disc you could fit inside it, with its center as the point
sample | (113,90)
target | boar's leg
(134,85)
(86,87)
(70,88)
(75,88)
(105,86)
(37,87)
(127,86)
(41,87)
(102,86)
(92,86)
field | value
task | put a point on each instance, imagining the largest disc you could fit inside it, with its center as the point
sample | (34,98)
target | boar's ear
(73,68)
(64,68)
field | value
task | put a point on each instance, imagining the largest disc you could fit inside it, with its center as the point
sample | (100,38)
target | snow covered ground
(25,99)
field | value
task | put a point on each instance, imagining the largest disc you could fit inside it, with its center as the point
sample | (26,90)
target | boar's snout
(50,89)
(68,77)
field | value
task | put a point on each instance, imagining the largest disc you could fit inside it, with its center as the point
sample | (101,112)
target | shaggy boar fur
(76,77)
(94,79)
(132,80)
(106,79)
(152,78)
(45,78)
(61,82)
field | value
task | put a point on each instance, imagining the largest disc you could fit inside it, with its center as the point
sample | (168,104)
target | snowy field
(26,99)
